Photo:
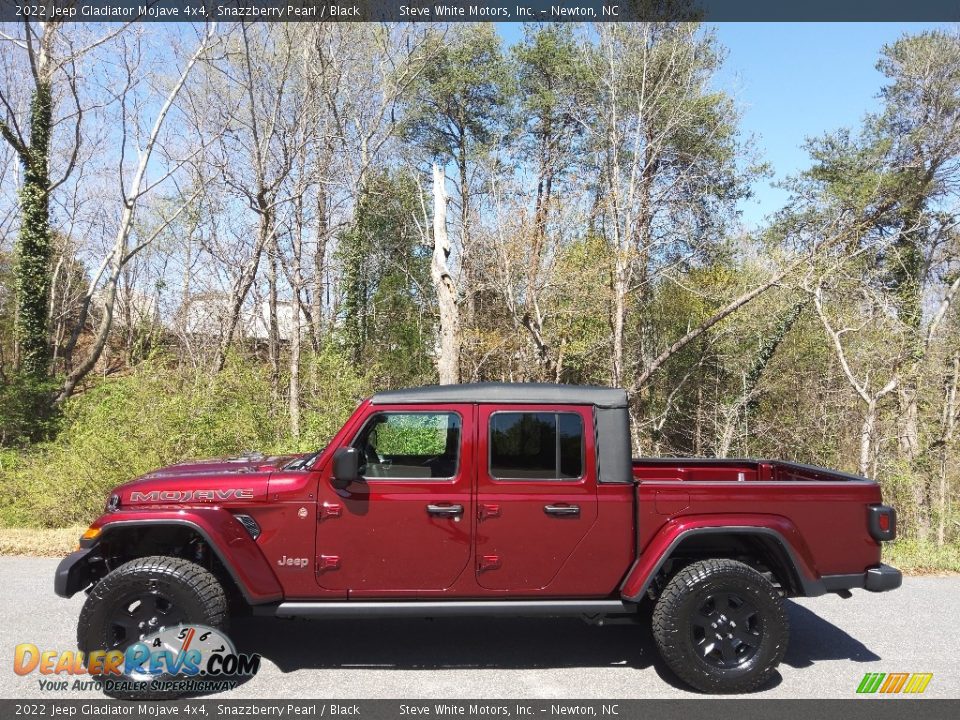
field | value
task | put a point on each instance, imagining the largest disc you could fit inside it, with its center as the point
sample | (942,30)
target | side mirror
(346,467)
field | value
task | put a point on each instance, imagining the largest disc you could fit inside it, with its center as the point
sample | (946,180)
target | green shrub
(157,415)
(25,414)
(330,388)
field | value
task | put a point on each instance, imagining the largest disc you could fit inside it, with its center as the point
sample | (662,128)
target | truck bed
(821,512)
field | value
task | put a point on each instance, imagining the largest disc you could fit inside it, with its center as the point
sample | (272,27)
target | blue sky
(799,80)
(793,81)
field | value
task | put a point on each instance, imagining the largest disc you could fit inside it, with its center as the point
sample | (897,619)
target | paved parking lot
(833,643)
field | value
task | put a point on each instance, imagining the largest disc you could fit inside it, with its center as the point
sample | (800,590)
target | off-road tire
(195,592)
(703,661)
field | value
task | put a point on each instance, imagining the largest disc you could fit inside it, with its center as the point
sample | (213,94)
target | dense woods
(218,239)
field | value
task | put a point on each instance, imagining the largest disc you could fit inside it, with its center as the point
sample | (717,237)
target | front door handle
(445,510)
(563,510)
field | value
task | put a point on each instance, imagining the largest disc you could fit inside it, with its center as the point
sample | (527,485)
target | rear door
(536,492)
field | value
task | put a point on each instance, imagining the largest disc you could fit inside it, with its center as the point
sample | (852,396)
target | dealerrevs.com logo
(182,658)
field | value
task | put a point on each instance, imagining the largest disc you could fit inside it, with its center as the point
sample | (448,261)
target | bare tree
(132,194)
(661,139)
(260,108)
(948,428)
(448,358)
(871,397)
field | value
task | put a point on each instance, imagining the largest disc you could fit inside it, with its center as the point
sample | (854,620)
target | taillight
(882,522)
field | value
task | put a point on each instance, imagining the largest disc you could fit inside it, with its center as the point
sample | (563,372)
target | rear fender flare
(659,550)
(226,537)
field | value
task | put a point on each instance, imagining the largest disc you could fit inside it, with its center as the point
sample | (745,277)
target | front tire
(721,626)
(144,596)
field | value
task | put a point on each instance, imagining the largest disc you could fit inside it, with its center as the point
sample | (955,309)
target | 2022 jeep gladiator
(488,499)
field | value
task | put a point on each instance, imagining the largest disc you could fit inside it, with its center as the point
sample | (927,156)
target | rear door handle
(562,509)
(445,510)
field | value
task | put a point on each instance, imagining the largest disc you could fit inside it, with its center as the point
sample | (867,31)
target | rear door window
(536,446)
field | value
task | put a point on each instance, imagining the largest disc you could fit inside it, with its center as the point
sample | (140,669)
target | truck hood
(218,481)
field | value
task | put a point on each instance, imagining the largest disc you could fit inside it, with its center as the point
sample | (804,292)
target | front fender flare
(780,529)
(232,545)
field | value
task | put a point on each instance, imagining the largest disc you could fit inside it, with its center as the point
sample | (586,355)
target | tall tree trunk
(468,260)
(242,288)
(948,428)
(532,317)
(448,361)
(644,246)
(295,330)
(621,283)
(32,266)
(294,385)
(866,437)
(273,325)
(319,268)
(909,441)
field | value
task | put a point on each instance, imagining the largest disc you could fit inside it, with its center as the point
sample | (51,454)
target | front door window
(410,446)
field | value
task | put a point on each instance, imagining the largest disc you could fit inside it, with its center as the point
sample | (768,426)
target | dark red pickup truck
(488,499)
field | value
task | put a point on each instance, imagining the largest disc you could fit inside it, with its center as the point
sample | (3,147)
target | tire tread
(667,626)
(205,587)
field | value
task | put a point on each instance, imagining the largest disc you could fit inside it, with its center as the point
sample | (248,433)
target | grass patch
(39,543)
(922,558)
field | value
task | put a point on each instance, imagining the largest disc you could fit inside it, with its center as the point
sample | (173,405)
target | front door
(536,492)
(406,526)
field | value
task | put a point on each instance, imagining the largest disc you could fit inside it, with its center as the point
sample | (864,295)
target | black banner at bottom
(695,709)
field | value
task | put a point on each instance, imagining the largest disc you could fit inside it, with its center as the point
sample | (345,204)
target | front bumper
(879,578)
(73,573)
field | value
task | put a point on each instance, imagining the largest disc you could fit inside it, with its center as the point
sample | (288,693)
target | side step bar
(451,608)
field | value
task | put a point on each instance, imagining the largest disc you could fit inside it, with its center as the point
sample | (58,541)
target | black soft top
(611,422)
(506,393)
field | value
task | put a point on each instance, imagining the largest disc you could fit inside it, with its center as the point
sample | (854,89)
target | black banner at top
(478,10)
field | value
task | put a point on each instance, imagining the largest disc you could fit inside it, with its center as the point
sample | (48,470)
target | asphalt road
(833,643)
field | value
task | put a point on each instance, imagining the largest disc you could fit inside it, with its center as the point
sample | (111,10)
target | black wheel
(721,626)
(145,596)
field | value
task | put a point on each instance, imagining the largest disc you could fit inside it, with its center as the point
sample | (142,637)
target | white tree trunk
(448,360)
(949,428)
(621,282)
(295,373)
(866,437)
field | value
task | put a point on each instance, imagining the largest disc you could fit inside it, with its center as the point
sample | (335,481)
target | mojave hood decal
(214,495)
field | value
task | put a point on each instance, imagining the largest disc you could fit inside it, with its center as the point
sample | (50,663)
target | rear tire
(144,596)
(721,627)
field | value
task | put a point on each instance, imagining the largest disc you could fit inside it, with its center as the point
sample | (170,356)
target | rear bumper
(73,573)
(879,578)
(882,578)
